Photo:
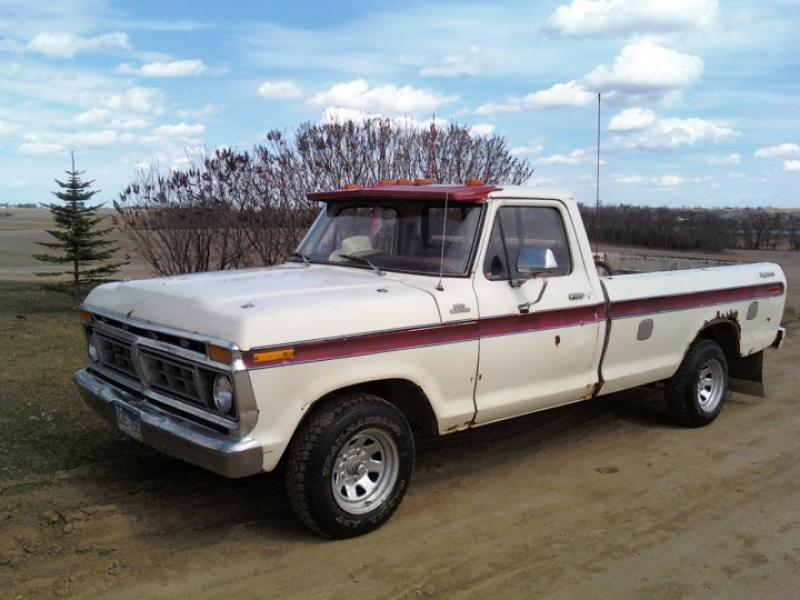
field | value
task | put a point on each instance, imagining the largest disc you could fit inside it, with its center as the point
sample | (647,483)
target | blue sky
(701,98)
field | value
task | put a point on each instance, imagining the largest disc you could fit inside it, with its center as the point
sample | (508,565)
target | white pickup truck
(410,309)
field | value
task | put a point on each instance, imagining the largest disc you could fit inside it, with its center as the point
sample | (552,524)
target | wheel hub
(365,472)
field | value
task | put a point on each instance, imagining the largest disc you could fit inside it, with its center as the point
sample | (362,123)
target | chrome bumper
(173,435)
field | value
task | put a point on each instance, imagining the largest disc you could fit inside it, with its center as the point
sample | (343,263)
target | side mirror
(536,261)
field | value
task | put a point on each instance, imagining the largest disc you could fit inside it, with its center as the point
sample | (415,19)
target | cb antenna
(597,202)
(439,286)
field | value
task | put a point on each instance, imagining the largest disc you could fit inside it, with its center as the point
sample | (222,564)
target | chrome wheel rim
(710,385)
(365,471)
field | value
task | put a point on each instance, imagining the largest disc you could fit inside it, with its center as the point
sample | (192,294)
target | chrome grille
(116,355)
(167,374)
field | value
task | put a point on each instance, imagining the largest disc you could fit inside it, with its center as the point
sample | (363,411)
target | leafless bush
(235,209)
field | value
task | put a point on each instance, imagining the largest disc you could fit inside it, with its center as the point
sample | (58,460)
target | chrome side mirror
(536,261)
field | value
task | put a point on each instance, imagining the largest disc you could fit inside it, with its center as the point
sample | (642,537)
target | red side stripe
(390,341)
(647,306)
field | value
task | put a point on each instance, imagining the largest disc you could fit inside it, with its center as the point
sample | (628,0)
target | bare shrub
(234,209)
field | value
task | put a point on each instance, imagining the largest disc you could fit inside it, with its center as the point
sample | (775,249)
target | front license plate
(129,421)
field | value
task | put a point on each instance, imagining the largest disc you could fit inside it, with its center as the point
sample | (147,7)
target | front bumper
(173,435)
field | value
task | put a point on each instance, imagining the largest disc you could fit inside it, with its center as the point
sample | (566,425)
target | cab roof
(469,193)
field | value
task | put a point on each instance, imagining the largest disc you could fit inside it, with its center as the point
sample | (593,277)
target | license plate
(129,421)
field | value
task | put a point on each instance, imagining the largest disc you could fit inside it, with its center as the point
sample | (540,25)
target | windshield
(412,237)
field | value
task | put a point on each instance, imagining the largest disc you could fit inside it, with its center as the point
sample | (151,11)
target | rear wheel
(349,466)
(696,393)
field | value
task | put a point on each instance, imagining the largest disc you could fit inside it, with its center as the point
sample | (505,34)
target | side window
(517,227)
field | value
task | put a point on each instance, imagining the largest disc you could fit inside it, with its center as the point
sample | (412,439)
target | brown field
(604,499)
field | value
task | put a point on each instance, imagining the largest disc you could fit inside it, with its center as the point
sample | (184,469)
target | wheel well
(406,396)
(726,334)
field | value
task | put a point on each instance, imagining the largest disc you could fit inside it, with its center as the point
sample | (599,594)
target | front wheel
(696,393)
(349,466)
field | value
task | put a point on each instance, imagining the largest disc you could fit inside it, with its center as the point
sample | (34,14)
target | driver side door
(540,332)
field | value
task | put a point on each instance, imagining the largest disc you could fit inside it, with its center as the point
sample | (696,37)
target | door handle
(577,296)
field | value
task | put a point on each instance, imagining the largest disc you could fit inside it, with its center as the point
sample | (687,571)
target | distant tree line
(233,209)
(706,230)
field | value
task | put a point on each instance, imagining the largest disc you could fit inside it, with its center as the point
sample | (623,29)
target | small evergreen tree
(78,241)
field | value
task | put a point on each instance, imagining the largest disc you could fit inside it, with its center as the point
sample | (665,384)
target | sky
(699,99)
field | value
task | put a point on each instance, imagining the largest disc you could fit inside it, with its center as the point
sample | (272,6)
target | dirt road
(599,500)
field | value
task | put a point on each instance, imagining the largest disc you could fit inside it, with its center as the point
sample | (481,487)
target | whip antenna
(597,203)
(440,287)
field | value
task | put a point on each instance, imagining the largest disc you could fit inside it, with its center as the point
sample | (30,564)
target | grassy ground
(44,425)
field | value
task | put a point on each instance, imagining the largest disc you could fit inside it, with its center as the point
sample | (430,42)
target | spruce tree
(79,242)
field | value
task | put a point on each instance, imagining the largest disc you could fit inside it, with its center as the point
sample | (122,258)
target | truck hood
(273,306)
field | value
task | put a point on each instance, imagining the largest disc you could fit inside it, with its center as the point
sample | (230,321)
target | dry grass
(44,425)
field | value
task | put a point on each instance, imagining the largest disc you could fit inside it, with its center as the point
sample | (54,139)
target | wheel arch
(403,394)
(745,373)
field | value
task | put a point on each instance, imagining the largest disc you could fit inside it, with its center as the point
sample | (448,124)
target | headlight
(223,393)
(94,352)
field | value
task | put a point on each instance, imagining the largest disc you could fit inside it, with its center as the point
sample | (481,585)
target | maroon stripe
(646,306)
(449,333)
(540,321)
(390,341)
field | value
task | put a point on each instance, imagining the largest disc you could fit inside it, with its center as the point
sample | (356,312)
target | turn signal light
(422,182)
(473,182)
(351,186)
(219,354)
(273,355)
(85,316)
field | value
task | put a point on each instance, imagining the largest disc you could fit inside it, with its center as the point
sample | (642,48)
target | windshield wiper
(363,260)
(306,260)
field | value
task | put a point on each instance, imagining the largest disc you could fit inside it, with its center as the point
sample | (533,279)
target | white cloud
(176,68)
(607,17)
(721,161)
(671,133)
(561,94)
(534,146)
(570,94)
(632,119)
(279,90)
(340,115)
(779,151)
(455,65)
(481,129)
(512,105)
(641,71)
(358,95)
(137,99)
(39,148)
(201,113)
(646,68)
(91,116)
(66,45)
(664,181)
(105,137)
(7,128)
(791,165)
(180,130)
(573,158)
(129,124)
(668,181)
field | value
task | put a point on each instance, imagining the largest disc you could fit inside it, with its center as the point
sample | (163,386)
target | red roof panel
(453,193)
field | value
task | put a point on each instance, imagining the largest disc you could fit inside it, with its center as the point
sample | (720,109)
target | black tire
(349,466)
(696,393)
